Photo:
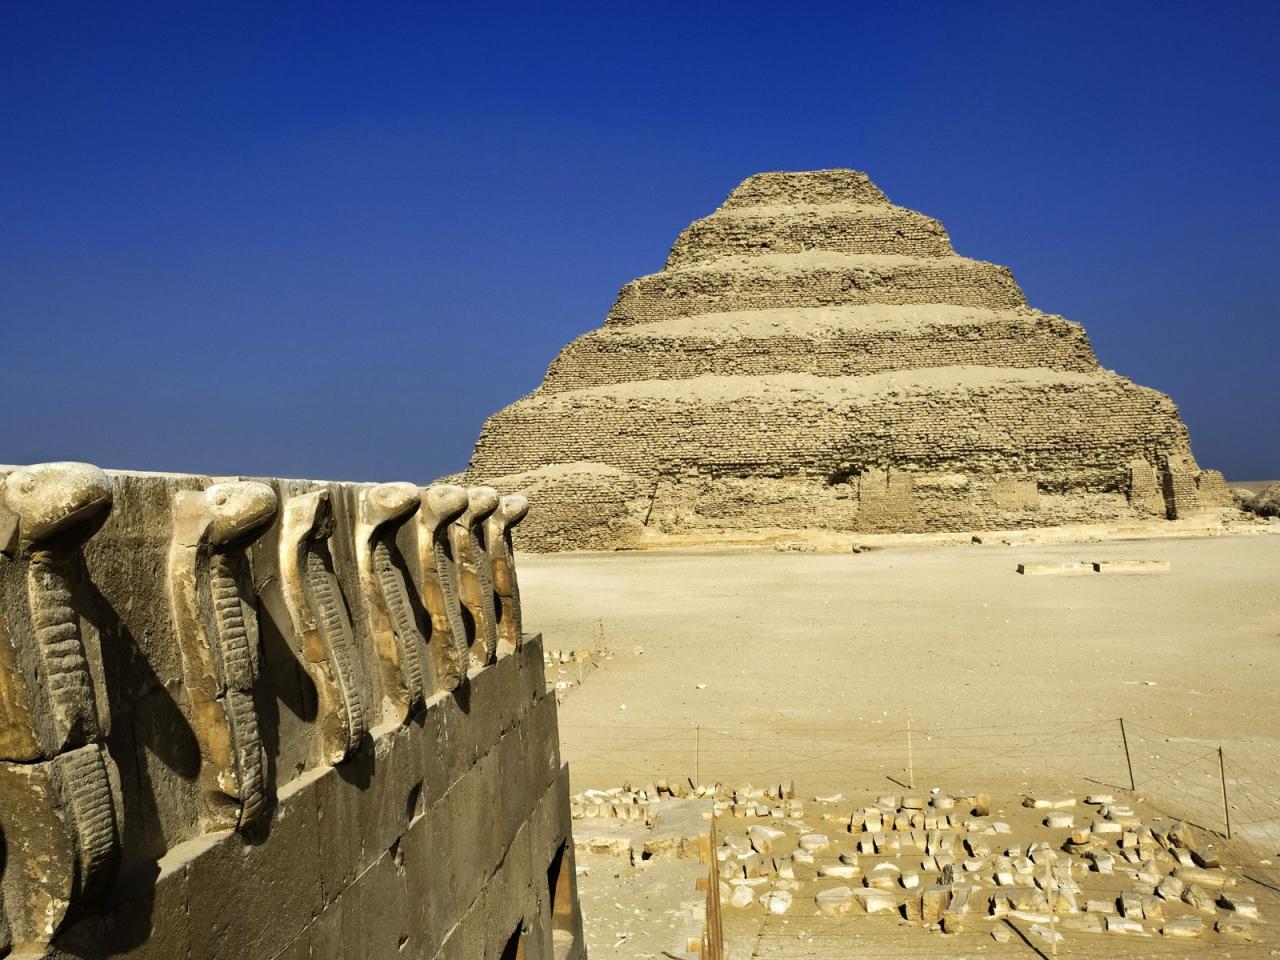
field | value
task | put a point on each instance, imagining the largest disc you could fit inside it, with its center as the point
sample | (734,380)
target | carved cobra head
(514,506)
(237,508)
(481,501)
(43,500)
(445,501)
(390,501)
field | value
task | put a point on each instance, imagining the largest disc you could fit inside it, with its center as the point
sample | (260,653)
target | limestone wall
(845,228)
(813,356)
(262,719)
(822,341)
(813,280)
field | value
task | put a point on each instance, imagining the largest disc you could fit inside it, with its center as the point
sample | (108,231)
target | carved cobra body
(439,506)
(321,621)
(393,622)
(511,510)
(216,624)
(58,794)
(475,577)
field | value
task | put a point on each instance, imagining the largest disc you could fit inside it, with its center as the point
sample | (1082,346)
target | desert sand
(755,666)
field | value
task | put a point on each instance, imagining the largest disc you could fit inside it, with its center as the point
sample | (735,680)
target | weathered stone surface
(376,809)
(475,574)
(393,613)
(814,357)
(429,549)
(59,787)
(835,901)
(215,621)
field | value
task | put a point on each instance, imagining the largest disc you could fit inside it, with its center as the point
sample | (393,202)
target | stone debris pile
(567,669)
(1053,867)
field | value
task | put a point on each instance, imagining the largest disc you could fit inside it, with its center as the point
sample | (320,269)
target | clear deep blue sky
(329,239)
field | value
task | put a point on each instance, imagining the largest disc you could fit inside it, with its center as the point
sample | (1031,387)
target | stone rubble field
(1083,873)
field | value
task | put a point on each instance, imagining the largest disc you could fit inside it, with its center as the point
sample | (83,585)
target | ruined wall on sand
(260,719)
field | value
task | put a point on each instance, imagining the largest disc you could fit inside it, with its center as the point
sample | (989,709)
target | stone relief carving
(393,617)
(186,563)
(440,505)
(217,627)
(511,510)
(475,574)
(58,786)
(321,621)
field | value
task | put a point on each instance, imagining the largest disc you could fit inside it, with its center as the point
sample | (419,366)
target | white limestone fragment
(742,896)
(835,900)
(814,842)
(779,901)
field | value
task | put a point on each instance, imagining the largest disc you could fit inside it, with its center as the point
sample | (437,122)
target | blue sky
(329,239)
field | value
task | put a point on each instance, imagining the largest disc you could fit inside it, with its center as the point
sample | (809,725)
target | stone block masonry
(813,357)
(256,719)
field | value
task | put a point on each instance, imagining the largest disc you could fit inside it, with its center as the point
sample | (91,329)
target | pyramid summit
(813,357)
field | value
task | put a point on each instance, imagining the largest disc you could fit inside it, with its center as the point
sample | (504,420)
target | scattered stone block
(1131,906)
(933,901)
(1216,878)
(1150,873)
(1084,923)
(763,839)
(1235,929)
(1183,928)
(840,871)
(777,902)
(1244,907)
(875,901)
(1071,568)
(1196,897)
(815,842)
(1206,857)
(835,901)
(742,896)
(1123,925)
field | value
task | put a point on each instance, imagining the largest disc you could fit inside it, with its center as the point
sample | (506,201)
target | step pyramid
(814,357)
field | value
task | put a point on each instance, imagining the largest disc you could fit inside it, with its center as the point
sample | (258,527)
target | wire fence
(1232,791)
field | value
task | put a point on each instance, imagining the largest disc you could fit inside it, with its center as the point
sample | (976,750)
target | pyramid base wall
(629,511)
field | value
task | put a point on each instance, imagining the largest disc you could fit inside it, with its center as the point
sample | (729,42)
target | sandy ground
(754,666)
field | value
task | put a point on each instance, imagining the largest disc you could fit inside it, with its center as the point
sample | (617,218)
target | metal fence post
(1124,738)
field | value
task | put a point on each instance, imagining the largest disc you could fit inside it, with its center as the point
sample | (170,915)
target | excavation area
(1045,739)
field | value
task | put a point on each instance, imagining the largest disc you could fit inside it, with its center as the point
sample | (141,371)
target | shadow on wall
(160,621)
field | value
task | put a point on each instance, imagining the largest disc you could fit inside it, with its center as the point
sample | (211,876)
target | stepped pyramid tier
(814,357)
